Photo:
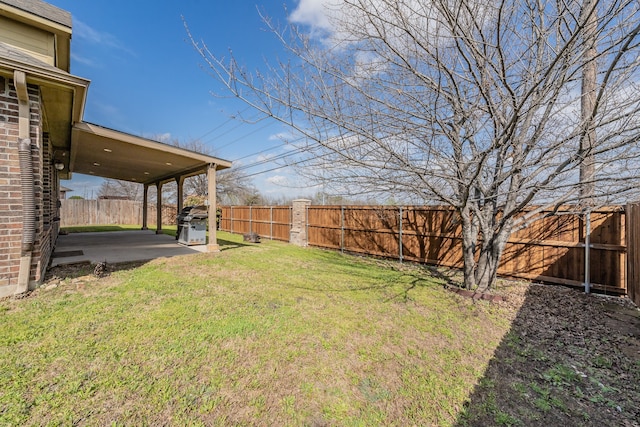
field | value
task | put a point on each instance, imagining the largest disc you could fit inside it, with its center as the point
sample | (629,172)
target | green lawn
(271,334)
(260,334)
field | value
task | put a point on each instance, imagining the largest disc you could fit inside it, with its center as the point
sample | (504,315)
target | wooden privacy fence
(108,212)
(633,252)
(550,250)
(273,222)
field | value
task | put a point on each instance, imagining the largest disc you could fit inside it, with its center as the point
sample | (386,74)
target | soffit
(107,153)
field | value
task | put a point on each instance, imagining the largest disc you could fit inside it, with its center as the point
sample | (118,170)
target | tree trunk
(469,240)
(489,259)
(486,272)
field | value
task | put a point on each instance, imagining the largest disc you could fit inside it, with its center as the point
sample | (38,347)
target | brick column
(298,234)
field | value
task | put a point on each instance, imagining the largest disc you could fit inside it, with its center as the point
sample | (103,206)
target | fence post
(306,224)
(342,229)
(271,223)
(231,219)
(250,217)
(299,235)
(400,235)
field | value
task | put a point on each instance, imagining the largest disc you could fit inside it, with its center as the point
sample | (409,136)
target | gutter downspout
(26,181)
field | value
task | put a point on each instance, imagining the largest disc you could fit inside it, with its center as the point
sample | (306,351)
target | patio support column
(159,209)
(180,186)
(212,246)
(145,206)
(298,235)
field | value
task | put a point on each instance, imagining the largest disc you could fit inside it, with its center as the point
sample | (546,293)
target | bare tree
(474,104)
(122,189)
(232,185)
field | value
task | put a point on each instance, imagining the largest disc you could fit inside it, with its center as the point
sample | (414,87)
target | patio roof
(107,153)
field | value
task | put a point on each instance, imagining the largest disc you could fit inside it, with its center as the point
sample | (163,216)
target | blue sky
(147,80)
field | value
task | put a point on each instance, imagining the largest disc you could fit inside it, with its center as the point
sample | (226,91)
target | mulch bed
(570,359)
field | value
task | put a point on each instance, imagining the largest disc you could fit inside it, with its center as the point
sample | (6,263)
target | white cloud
(83,60)
(278,180)
(93,36)
(282,136)
(339,24)
(162,137)
(264,157)
(314,13)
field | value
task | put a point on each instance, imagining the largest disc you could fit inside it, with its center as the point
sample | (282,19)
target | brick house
(44,139)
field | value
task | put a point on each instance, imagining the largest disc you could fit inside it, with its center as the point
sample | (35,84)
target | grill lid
(193,212)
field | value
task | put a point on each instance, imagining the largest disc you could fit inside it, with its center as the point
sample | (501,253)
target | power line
(261,151)
(230,119)
(224,133)
(279,167)
(278,157)
(244,136)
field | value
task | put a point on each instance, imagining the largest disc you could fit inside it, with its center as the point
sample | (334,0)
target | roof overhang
(107,153)
(63,97)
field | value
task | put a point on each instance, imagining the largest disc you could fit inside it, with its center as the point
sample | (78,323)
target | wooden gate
(633,251)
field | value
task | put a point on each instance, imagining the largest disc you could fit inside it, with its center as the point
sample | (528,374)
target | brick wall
(10,194)
(11,210)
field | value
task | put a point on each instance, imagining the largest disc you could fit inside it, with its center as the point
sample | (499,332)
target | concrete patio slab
(118,246)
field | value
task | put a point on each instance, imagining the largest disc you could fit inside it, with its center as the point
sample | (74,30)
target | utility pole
(588,141)
(588,101)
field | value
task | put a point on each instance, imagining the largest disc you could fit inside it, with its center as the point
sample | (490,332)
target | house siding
(11,208)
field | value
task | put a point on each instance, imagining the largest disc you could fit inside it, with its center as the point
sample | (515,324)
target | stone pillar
(298,234)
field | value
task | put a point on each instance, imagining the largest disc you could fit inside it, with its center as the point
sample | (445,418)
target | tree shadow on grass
(569,359)
(403,295)
(415,280)
(226,245)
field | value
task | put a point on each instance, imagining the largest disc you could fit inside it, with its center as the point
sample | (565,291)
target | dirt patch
(86,270)
(76,276)
(569,359)
(486,296)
